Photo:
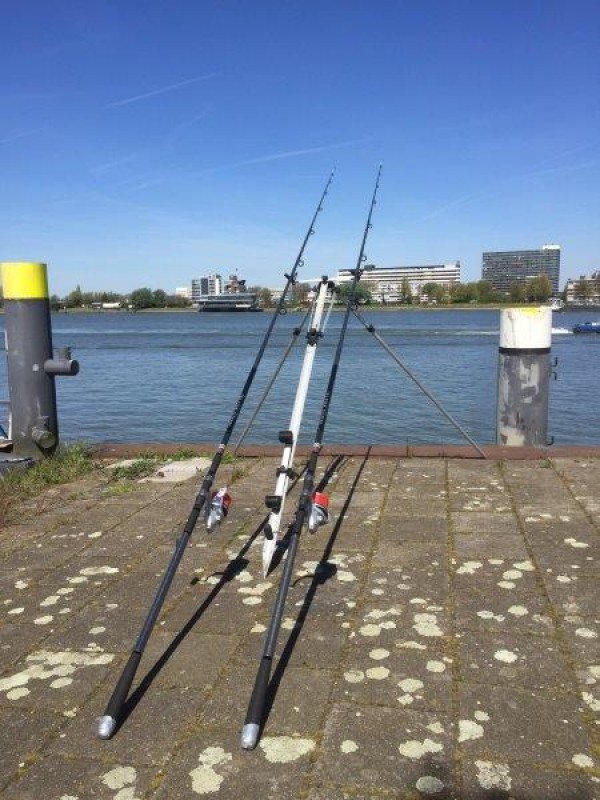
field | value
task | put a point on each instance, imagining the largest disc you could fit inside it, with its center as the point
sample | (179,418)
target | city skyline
(130,154)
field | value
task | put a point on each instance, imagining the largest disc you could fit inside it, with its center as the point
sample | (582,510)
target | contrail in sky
(21,135)
(285,154)
(503,184)
(162,90)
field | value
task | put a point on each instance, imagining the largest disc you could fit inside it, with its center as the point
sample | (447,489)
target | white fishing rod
(289,438)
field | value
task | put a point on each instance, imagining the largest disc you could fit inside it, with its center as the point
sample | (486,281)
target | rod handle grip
(256,707)
(123,687)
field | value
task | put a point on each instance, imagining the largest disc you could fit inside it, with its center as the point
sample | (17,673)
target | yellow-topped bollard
(33,426)
(24,280)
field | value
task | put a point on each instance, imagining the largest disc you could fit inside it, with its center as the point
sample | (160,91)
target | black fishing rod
(108,722)
(370,328)
(256,708)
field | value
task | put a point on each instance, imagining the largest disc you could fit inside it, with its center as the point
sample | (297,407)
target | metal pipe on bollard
(31,363)
(524,372)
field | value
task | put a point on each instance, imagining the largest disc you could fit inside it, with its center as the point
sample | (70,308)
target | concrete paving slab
(385,749)
(440,639)
(542,728)
(495,780)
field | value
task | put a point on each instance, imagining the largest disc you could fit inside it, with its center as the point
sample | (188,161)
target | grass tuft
(67,464)
(140,468)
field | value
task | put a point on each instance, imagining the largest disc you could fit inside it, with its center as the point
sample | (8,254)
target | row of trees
(537,290)
(138,299)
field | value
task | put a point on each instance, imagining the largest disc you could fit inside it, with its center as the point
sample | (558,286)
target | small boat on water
(587,327)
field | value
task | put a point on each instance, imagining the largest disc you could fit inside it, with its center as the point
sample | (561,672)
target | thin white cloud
(21,135)
(502,185)
(286,154)
(161,90)
(144,183)
(117,162)
(176,132)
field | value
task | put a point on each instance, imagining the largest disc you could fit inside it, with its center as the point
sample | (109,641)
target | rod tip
(106,727)
(249,738)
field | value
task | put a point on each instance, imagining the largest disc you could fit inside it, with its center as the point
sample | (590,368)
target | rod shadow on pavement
(323,572)
(237,564)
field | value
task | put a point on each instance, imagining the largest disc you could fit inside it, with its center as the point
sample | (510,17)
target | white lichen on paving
(469,730)
(586,633)
(435,666)
(104,570)
(493,775)
(506,584)
(506,656)
(426,625)
(429,784)
(379,653)
(354,676)
(518,611)
(46,664)
(205,779)
(123,780)
(469,567)
(574,543)
(377,673)
(485,614)
(411,685)
(524,566)
(348,746)
(581,760)
(283,749)
(416,749)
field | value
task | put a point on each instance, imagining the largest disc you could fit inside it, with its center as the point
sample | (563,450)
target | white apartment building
(385,283)
(208,285)
(584,290)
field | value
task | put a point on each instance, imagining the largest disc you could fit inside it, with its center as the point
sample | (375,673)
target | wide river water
(174,377)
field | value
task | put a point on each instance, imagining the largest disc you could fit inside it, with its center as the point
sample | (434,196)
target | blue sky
(144,143)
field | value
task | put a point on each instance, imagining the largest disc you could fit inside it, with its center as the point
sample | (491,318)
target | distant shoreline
(372,307)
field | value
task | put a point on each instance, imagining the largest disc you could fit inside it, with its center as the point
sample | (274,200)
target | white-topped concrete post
(524,376)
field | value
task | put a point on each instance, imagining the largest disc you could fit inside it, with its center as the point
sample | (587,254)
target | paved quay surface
(440,639)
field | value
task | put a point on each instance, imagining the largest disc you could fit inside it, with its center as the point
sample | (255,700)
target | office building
(505,269)
(209,285)
(385,283)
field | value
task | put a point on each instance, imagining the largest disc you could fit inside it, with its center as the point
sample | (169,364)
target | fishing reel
(218,508)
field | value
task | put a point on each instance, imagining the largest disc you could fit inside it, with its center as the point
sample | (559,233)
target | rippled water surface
(175,377)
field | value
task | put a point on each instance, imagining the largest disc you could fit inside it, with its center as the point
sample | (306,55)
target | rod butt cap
(106,727)
(249,738)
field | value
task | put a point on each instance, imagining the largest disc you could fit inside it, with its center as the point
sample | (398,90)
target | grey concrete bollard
(31,365)
(524,372)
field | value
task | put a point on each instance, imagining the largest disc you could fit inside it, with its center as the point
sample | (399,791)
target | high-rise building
(385,283)
(208,285)
(505,269)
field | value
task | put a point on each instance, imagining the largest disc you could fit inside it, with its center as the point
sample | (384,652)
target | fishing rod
(217,509)
(371,329)
(289,438)
(295,334)
(307,508)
